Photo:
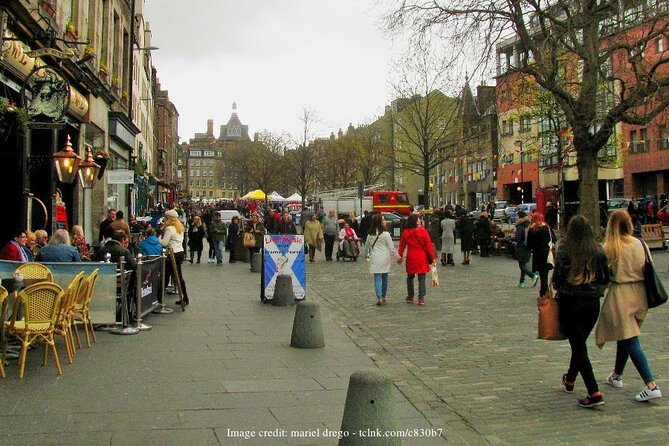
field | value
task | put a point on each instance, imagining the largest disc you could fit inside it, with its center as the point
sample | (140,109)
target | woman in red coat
(420,254)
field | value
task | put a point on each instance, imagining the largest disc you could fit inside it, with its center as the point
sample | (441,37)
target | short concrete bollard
(370,407)
(256,262)
(283,291)
(307,326)
(241,252)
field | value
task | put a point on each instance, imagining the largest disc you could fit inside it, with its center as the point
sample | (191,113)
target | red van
(391,201)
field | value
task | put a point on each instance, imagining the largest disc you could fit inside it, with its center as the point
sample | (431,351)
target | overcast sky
(271,57)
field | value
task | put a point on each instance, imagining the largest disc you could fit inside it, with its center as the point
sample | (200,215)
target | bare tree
(302,160)
(591,56)
(267,158)
(373,155)
(427,123)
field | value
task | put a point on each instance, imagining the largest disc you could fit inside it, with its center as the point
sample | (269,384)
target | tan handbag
(549,319)
(249,240)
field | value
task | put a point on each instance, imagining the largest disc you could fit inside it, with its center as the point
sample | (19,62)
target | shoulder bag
(548,327)
(427,253)
(249,240)
(655,292)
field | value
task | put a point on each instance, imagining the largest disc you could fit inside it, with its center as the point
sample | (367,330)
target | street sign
(51,52)
(120,176)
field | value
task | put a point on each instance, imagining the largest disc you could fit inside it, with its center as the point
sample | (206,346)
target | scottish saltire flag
(284,254)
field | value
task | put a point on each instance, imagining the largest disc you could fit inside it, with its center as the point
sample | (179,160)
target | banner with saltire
(284,254)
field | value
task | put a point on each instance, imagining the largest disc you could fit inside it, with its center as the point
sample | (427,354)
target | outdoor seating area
(654,235)
(35,310)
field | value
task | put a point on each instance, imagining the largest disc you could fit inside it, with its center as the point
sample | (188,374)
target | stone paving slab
(198,377)
(470,357)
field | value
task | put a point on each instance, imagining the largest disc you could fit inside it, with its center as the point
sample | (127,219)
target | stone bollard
(370,407)
(307,326)
(242,253)
(256,262)
(283,291)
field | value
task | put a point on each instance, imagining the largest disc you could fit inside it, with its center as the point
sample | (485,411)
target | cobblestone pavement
(469,359)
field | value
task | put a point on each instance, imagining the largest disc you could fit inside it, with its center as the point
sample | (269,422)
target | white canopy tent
(295,198)
(275,196)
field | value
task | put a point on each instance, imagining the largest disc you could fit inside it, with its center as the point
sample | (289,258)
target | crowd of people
(583,269)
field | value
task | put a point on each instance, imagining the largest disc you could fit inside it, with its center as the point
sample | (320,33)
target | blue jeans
(381,284)
(218,249)
(631,348)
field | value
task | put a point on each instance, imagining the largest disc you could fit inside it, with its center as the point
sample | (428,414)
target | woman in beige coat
(313,235)
(625,305)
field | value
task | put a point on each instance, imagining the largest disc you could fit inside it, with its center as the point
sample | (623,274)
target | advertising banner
(284,254)
(151,280)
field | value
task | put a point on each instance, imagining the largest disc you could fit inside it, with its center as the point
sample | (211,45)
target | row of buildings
(79,74)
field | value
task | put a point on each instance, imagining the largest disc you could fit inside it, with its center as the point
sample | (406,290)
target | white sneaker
(614,382)
(646,394)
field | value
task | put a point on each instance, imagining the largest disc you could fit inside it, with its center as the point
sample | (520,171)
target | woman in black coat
(538,238)
(466,229)
(196,233)
(483,233)
(233,237)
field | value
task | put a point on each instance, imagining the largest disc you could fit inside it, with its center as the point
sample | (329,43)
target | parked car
(395,223)
(499,210)
(509,212)
(613,204)
(227,214)
(528,208)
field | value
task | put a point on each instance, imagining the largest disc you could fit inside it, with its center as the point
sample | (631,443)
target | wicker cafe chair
(81,311)
(64,319)
(41,302)
(34,270)
(3,306)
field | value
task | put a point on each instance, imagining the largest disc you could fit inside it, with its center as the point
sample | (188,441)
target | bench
(654,235)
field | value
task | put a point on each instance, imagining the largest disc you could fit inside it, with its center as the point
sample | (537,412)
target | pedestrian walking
(365,225)
(330,233)
(466,229)
(447,239)
(483,234)
(538,238)
(625,306)
(420,255)
(196,234)
(379,254)
(581,272)
(233,237)
(256,228)
(521,253)
(216,231)
(313,236)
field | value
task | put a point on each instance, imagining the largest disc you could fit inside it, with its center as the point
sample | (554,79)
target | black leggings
(578,316)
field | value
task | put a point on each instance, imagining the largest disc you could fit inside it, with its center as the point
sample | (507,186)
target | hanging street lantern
(66,162)
(88,170)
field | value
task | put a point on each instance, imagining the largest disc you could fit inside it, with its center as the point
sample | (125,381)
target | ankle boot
(450,261)
(443,259)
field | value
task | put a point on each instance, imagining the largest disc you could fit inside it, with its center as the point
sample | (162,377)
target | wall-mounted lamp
(88,170)
(66,162)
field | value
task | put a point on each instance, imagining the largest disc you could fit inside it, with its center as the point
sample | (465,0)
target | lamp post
(521,188)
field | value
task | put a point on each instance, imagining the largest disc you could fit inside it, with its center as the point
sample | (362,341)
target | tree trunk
(588,190)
